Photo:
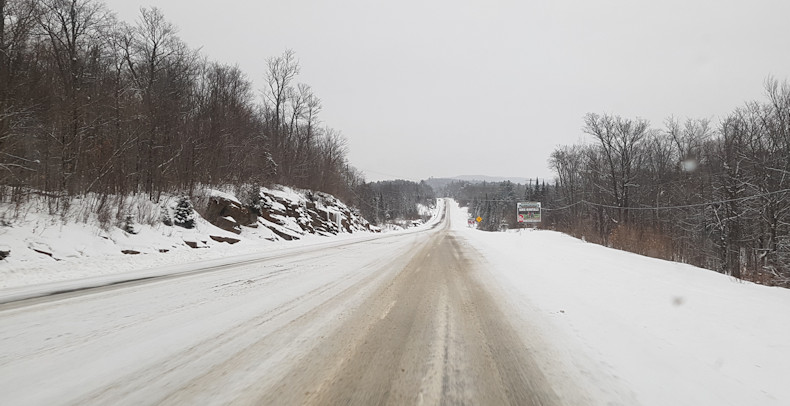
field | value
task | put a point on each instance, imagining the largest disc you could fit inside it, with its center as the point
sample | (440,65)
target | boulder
(196,244)
(284,236)
(228,240)
(228,224)
(220,209)
(267,215)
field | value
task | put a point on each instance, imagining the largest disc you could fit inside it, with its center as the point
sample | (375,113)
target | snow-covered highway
(399,319)
(444,314)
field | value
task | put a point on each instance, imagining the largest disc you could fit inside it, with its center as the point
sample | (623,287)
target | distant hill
(439,183)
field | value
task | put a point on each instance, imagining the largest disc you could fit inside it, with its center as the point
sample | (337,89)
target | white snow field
(637,330)
(606,327)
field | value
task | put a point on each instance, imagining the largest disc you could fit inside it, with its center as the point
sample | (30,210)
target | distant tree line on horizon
(90,104)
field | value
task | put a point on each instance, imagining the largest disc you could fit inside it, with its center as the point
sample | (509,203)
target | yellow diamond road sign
(479,219)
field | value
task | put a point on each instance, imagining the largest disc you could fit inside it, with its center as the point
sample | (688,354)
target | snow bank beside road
(47,248)
(105,263)
(669,333)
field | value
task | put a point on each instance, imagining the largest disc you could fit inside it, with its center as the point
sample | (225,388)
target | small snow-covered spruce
(184,215)
(128,224)
(252,198)
(165,215)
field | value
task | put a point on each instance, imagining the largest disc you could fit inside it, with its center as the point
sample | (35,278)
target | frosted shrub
(184,215)
(165,216)
(127,224)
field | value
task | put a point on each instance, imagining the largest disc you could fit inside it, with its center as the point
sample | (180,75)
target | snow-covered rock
(134,229)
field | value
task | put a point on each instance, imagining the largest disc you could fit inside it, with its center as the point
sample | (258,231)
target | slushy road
(398,319)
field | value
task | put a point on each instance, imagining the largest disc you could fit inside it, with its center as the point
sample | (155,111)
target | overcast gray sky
(452,87)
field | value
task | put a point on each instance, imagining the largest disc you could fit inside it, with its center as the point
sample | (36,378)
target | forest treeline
(711,194)
(495,202)
(387,201)
(716,195)
(91,104)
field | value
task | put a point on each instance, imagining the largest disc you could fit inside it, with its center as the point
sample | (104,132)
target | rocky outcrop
(290,214)
(228,214)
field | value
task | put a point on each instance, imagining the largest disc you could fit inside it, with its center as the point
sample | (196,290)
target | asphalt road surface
(403,319)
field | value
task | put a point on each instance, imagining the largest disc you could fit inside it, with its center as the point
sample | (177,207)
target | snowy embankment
(636,330)
(52,249)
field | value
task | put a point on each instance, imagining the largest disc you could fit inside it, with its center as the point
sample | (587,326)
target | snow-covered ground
(638,330)
(625,329)
(47,248)
(137,344)
(28,278)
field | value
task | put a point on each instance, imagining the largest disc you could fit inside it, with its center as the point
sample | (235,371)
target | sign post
(528,212)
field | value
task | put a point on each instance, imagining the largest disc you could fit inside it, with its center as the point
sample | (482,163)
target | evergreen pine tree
(184,213)
(128,224)
(165,215)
